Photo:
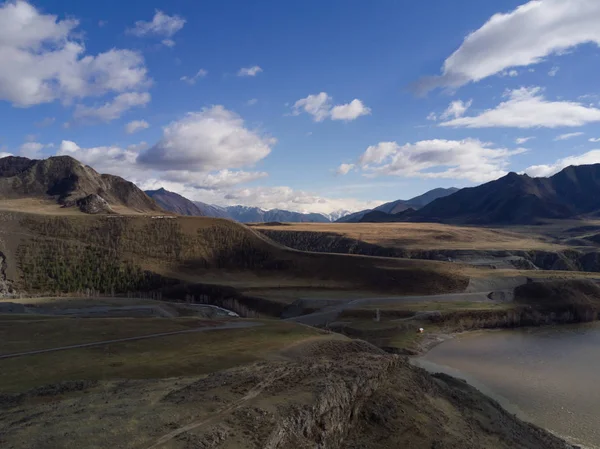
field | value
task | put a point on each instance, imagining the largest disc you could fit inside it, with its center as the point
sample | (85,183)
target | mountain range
(516,199)
(394,207)
(512,199)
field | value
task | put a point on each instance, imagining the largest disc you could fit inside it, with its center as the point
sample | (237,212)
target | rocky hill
(70,183)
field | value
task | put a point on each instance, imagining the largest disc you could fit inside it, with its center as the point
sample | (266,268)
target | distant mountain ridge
(518,199)
(178,204)
(394,207)
(246,214)
(70,183)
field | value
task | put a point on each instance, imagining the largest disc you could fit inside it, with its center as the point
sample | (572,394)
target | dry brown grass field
(425,236)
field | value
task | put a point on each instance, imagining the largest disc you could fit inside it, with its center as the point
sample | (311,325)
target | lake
(549,376)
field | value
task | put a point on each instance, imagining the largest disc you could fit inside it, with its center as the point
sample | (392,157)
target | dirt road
(235,325)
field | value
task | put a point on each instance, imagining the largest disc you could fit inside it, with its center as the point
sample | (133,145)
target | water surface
(548,375)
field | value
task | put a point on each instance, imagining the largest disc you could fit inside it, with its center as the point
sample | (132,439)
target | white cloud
(252,102)
(168,43)
(568,136)
(32,150)
(192,79)
(510,73)
(213,139)
(113,109)
(522,140)
(469,159)
(249,71)
(105,159)
(294,200)
(349,111)
(553,71)
(432,116)
(43,60)
(3,154)
(456,109)
(317,105)
(527,108)
(522,37)
(591,157)
(320,107)
(344,169)
(136,125)
(161,25)
(213,181)
(594,139)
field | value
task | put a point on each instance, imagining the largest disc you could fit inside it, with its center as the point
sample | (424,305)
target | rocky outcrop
(94,204)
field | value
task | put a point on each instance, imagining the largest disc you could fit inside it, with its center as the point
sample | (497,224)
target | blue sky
(308,106)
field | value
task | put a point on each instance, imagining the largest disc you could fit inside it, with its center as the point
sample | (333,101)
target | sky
(312,106)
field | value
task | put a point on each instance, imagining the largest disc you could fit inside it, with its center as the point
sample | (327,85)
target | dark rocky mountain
(397,206)
(247,214)
(70,183)
(174,202)
(210,210)
(519,199)
(378,216)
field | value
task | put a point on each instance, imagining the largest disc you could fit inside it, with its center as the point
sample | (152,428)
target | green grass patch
(177,355)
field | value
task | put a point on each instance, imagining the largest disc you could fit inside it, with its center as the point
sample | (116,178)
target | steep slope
(394,207)
(69,183)
(520,199)
(174,202)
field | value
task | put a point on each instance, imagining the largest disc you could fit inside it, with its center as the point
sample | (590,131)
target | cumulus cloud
(525,36)
(456,109)
(522,140)
(591,157)
(349,111)
(104,159)
(213,181)
(161,25)
(321,108)
(192,79)
(112,110)
(213,139)
(136,125)
(568,136)
(526,107)
(32,150)
(469,159)
(594,139)
(43,60)
(249,71)
(510,73)
(344,169)
(553,71)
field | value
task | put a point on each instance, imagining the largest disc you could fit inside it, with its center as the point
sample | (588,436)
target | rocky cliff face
(320,394)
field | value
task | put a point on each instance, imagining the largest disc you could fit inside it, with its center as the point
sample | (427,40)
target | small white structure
(421,330)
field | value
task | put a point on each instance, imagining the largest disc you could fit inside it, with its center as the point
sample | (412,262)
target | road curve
(235,325)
